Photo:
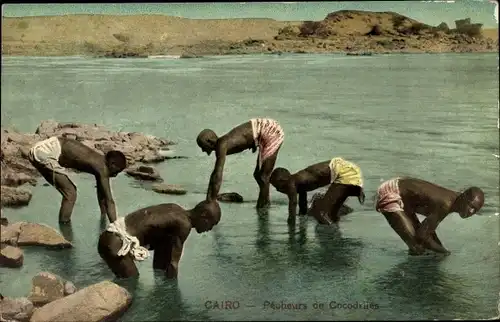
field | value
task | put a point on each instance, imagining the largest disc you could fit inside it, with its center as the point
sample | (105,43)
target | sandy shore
(145,35)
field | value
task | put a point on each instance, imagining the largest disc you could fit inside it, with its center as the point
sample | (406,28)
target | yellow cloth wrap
(345,172)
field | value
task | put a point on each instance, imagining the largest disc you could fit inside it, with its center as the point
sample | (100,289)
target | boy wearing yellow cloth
(346,180)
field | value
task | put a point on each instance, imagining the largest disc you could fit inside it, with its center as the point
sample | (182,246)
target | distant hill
(344,30)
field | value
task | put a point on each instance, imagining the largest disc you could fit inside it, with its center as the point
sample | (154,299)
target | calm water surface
(429,116)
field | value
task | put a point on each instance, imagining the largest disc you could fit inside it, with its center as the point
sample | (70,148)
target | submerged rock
(168,189)
(11,256)
(104,301)
(14,197)
(143,172)
(16,309)
(230,197)
(47,287)
(32,234)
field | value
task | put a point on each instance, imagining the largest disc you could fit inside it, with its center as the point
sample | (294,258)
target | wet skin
(311,178)
(162,228)
(435,203)
(78,156)
(237,140)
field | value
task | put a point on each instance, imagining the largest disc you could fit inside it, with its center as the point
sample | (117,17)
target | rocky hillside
(145,35)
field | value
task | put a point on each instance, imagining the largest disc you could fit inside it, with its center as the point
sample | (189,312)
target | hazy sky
(431,12)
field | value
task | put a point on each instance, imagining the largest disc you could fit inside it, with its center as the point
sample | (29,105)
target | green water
(429,116)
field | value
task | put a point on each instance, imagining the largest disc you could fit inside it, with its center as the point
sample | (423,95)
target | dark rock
(230,197)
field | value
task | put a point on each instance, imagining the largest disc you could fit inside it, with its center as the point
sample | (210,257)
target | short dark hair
(116,159)
(279,174)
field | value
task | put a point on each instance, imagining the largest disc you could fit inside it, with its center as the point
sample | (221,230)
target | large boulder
(171,189)
(32,234)
(15,309)
(11,256)
(104,301)
(14,197)
(47,287)
(143,172)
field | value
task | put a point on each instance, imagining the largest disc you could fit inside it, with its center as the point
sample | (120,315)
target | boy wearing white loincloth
(51,157)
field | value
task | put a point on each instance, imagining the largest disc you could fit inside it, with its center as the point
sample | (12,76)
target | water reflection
(263,239)
(67,231)
(297,234)
(421,281)
(161,301)
(336,251)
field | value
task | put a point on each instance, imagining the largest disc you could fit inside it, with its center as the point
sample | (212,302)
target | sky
(430,12)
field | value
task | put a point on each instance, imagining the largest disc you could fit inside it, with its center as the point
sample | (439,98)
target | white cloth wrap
(130,244)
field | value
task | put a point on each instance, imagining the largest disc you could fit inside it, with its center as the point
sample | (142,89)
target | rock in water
(14,197)
(32,234)
(168,189)
(144,173)
(46,287)
(11,256)
(10,233)
(104,301)
(15,309)
(230,197)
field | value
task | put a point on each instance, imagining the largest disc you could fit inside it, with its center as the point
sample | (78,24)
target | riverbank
(148,35)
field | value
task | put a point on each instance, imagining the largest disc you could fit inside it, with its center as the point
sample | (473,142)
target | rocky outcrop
(171,189)
(15,309)
(11,256)
(143,172)
(48,287)
(134,145)
(14,197)
(230,197)
(32,234)
(104,301)
(16,169)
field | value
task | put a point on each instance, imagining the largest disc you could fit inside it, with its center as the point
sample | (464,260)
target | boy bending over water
(400,199)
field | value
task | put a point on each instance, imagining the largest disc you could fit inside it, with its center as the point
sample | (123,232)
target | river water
(428,116)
